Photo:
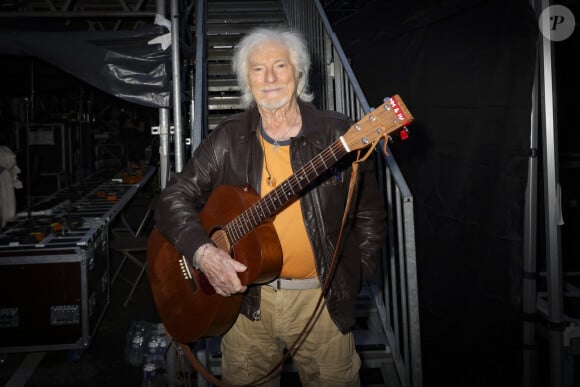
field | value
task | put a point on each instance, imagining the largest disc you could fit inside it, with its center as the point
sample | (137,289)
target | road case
(53,293)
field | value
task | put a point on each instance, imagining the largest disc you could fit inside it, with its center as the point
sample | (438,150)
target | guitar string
(306,171)
(239,229)
(314,166)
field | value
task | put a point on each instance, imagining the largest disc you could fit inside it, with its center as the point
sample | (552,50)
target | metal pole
(552,208)
(163,147)
(191,76)
(199,116)
(529,291)
(176,66)
(163,126)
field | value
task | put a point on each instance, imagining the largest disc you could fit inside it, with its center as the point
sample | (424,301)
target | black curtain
(465,70)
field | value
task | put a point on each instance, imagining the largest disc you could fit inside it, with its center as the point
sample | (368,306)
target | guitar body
(186,302)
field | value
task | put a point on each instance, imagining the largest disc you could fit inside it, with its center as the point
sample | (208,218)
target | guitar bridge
(185,269)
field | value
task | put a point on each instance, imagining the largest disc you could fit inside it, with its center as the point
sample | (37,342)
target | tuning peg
(387,102)
(404,134)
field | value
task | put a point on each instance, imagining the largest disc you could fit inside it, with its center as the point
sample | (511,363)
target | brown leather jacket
(232,155)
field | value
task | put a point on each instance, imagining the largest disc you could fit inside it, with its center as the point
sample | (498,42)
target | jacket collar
(313,126)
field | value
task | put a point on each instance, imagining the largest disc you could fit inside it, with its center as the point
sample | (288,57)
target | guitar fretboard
(283,193)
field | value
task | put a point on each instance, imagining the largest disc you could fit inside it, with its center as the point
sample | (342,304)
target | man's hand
(221,270)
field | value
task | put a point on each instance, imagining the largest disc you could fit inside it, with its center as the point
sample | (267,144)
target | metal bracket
(155,131)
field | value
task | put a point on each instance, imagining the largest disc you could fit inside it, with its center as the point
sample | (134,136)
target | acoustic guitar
(239,222)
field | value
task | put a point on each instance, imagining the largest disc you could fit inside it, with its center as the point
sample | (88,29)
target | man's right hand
(221,270)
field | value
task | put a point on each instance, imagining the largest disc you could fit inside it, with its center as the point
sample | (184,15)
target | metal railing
(395,289)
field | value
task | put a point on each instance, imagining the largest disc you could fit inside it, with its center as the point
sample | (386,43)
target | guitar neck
(284,193)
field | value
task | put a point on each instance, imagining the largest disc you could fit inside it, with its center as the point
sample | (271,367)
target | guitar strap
(310,323)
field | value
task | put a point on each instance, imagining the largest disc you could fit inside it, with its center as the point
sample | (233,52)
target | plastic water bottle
(149,372)
(152,354)
(162,350)
(157,346)
(134,344)
(136,358)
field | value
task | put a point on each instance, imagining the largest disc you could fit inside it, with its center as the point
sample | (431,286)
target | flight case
(53,293)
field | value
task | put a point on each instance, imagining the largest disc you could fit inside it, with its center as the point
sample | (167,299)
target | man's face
(271,76)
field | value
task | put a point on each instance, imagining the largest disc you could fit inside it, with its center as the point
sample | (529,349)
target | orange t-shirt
(289,224)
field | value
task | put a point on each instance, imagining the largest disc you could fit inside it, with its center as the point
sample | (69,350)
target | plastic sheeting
(121,63)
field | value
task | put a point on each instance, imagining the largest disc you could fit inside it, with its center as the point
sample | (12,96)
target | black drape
(465,70)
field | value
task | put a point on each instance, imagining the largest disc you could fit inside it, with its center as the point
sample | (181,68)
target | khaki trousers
(326,357)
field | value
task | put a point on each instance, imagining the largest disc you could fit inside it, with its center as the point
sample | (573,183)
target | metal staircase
(227,22)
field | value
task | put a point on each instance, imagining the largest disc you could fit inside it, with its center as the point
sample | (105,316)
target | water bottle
(162,349)
(134,344)
(152,355)
(157,346)
(136,357)
(149,371)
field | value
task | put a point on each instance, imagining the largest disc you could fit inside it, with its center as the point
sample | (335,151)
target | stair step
(253,17)
(220,54)
(224,102)
(223,84)
(244,6)
(222,41)
(235,29)
(217,69)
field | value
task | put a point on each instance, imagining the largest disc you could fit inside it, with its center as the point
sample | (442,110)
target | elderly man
(279,132)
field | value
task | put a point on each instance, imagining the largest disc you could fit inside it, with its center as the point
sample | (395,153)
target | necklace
(270,180)
(277,142)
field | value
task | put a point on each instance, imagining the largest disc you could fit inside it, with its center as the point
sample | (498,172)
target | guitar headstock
(391,116)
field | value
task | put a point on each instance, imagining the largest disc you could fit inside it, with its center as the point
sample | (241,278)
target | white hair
(299,57)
